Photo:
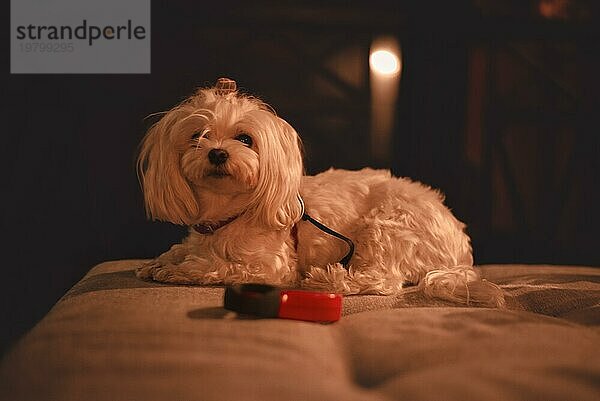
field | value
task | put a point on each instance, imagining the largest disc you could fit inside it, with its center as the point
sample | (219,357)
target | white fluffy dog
(228,167)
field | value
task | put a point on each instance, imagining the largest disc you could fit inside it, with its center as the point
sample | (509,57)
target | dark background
(497,107)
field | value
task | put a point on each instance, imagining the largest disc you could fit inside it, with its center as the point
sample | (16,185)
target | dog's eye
(199,135)
(245,139)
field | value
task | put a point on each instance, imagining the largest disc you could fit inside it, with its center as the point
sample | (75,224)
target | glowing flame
(384,62)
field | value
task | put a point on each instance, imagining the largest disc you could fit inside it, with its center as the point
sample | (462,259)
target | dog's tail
(462,284)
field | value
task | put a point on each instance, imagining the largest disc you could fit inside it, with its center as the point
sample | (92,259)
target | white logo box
(80,37)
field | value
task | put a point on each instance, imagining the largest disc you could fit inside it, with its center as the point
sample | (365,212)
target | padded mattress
(114,337)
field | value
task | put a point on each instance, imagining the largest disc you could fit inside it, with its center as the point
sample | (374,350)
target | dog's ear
(167,195)
(275,201)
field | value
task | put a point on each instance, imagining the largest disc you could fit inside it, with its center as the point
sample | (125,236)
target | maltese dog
(224,164)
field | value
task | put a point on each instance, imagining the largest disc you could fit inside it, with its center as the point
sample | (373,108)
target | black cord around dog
(306,217)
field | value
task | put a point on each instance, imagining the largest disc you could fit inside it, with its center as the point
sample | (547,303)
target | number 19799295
(41,47)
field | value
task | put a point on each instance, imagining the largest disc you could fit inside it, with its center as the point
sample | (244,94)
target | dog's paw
(187,272)
(145,271)
(157,271)
(336,278)
(175,274)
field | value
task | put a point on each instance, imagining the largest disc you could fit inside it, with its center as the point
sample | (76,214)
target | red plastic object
(267,301)
(311,306)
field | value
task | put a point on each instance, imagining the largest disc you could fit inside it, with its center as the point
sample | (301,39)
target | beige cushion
(114,337)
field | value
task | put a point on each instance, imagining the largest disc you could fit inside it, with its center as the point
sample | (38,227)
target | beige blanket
(114,337)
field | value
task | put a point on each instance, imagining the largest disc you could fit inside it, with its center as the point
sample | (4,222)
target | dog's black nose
(218,156)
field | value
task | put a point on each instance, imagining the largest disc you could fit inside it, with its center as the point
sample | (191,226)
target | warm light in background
(384,62)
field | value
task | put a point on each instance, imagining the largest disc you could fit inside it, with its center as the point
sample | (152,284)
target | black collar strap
(346,259)
(209,227)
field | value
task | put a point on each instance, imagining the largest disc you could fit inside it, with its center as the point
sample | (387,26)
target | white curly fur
(404,235)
